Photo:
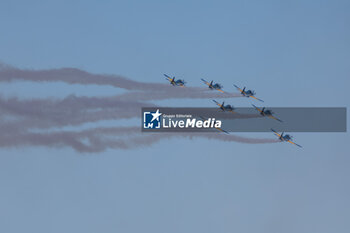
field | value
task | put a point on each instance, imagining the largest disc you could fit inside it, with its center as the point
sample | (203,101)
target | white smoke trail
(20,117)
(100,139)
(76,76)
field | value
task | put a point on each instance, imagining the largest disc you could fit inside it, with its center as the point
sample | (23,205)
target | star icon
(156,115)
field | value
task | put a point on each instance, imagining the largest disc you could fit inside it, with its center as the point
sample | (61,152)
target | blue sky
(293,53)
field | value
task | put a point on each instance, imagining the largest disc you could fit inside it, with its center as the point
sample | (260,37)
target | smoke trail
(20,117)
(96,139)
(69,105)
(72,110)
(178,93)
(75,76)
(100,139)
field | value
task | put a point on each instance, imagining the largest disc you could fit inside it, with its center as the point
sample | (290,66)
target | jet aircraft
(285,138)
(213,86)
(248,93)
(179,82)
(266,112)
(224,107)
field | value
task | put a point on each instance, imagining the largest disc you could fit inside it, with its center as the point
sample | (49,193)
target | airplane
(212,86)
(266,112)
(248,93)
(179,82)
(224,107)
(285,138)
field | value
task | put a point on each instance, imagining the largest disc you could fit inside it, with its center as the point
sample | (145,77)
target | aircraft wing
(238,88)
(256,98)
(220,90)
(167,76)
(217,103)
(205,82)
(257,108)
(221,130)
(293,143)
(275,118)
(277,134)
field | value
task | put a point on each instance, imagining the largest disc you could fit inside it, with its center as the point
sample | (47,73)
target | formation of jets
(229,108)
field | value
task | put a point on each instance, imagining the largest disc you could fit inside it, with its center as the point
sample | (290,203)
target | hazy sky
(295,53)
